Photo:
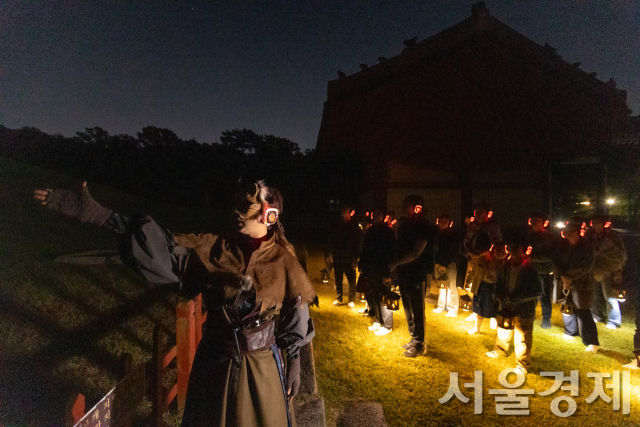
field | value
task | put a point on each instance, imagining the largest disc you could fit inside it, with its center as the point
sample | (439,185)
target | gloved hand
(77,204)
(292,377)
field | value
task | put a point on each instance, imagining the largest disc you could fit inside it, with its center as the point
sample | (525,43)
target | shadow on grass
(35,385)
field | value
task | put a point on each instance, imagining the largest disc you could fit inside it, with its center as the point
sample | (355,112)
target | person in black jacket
(414,260)
(343,251)
(377,253)
(447,248)
(542,241)
(517,290)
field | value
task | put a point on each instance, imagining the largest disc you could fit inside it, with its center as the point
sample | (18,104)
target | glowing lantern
(441,283)
(567,308)
(466,303)
(566,303)
(324,275)
(506,321)
(621,295)
(392,301)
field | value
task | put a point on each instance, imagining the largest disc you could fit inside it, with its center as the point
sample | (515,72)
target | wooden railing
(189,320)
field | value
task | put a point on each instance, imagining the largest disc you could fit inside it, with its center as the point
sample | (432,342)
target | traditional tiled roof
(477,95)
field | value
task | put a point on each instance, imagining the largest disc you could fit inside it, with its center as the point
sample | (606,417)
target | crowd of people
(507,275)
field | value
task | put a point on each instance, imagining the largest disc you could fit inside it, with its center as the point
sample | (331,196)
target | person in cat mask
(246,369)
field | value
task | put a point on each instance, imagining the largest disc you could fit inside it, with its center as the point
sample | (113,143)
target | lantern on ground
(324,275)
(621,295)
(466,303)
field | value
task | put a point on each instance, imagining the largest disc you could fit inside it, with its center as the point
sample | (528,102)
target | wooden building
(474,113)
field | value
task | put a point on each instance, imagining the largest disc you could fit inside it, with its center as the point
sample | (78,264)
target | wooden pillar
(186,348)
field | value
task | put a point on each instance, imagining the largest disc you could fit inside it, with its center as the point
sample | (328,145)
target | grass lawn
(63,329)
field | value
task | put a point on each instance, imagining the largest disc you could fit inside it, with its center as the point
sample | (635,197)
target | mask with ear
(258,200)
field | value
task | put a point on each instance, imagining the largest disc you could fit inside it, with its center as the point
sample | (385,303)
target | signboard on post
(115,408)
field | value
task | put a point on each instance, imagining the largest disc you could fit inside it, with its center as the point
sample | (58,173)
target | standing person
(517,290)
(414,260)
(635,364)
(482,280)
(447,249)
(542,242)
(343,251)
(257,296)
(611,256)
(377,254)
(573,264)
(481,225)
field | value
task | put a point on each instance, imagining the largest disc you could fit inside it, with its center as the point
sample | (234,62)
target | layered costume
(257,297)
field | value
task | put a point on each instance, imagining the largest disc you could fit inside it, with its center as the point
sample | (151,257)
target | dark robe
(237,378)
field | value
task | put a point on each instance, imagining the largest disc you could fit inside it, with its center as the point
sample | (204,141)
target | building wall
(511,207)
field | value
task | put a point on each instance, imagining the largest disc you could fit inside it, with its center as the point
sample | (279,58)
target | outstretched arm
(145,247)
(79,205)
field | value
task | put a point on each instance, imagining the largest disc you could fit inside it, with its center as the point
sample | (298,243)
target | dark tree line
(159,165)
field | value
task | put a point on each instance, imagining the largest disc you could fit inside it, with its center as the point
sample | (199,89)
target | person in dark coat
(256,293)
(611,256)
(573,264)
(542,243)
(482,225)
(342,253)
(517,290)
(377,254)
(447,249)
(414,260)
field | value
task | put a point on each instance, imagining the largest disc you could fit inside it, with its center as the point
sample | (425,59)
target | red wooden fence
(189,320)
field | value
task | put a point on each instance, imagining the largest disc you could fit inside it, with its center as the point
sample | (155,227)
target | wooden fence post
(185,348)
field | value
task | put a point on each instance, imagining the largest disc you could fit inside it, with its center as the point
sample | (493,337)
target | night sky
(199,68)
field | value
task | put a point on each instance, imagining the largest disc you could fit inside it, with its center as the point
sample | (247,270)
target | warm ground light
(63,328)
